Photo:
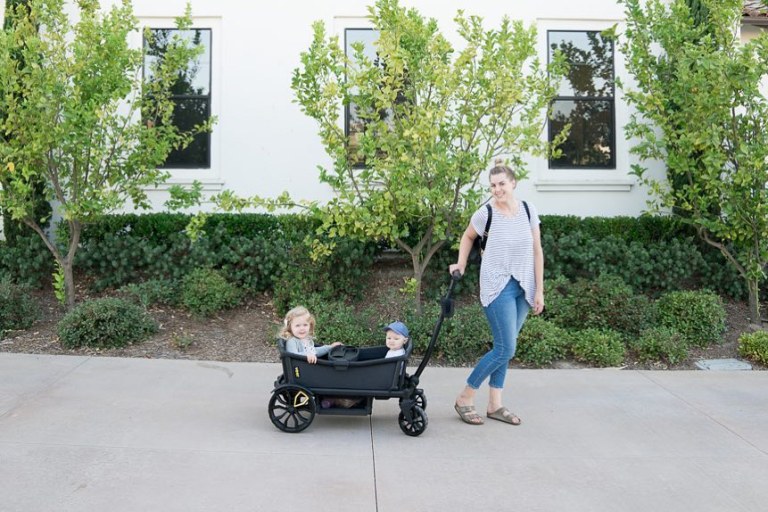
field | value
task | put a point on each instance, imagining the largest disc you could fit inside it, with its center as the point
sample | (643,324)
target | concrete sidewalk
(104,434)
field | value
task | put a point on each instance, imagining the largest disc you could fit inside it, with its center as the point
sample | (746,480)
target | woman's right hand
(456,266)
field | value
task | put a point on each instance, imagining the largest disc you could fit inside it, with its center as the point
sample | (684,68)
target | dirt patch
(246,333)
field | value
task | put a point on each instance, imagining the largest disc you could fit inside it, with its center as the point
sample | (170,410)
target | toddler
(298,331)
(397,337)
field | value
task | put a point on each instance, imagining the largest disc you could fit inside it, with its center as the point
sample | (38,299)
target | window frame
(612,164)
(208,98)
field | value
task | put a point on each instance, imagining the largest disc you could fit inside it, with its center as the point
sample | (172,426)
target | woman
(511,283)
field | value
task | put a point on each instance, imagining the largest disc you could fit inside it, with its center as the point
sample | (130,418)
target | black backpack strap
(527,212)
(484,238)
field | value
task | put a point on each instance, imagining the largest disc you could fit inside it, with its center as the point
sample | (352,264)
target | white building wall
(263,145)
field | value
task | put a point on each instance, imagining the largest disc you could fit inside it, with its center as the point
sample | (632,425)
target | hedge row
(256,251)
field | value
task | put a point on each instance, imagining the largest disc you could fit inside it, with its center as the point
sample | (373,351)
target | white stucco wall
(264,145)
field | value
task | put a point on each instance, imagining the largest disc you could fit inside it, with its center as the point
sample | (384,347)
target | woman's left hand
(538,303)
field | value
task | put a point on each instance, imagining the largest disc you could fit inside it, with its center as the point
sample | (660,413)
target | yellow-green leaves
(432,118)
(699,107)
(77,120)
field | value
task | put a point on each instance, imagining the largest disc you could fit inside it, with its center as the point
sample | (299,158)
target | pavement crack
(373,459)
(702,412)
(224,369)
(22,399)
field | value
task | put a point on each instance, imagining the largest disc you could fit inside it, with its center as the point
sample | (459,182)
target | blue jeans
(506,315)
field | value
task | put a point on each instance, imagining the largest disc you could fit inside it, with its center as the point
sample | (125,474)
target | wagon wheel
(419,398)
(418,423)
(292,408)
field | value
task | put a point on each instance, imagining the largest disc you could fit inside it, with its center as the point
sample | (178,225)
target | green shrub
(464,337)
(754,346)
(337,276)
(698,315)
(598,347)
(154,291)
(603,303)
(18,309)
(541,342)
(103,323)
(422,326)
(660,344)
(205,292)
(337,321)
(251,250)
(28,261)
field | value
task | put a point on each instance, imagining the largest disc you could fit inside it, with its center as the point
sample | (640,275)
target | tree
(79,116)
(13,229)
(431,119)
(700,108)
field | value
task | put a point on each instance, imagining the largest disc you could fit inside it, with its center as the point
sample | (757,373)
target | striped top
(508,252)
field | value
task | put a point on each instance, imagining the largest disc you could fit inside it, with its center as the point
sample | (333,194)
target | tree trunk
(69,282)
(418,275)
(754,301)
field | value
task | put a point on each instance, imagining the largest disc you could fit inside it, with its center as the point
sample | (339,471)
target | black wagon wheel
(291,408)
(416,425)
(419,398)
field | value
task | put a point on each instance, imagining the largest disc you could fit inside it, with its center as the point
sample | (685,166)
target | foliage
(105,323)
(26,261)
(426,120)
(339,274)
(754,346)
(700,108)
(14,230)
(603,303)
(205,291)
(657,265)
(59,286)
(660,344)
(18,310)
(252,251)
(598,347)
(80,118)
(464,337)
(541,342)
(153,291)
(337,321)
(698,315)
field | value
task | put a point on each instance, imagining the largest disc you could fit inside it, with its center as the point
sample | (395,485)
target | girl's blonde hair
(499,167)
(285,331)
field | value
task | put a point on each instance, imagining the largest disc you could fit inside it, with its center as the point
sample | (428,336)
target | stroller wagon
(348,381)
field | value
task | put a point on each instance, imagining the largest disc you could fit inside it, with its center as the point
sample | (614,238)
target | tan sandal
(468,414)
(503,414)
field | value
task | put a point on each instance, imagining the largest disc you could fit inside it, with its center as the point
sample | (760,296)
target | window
(353,124)
(585,100)
(191,94)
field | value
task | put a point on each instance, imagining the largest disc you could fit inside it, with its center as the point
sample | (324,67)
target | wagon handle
(446,311)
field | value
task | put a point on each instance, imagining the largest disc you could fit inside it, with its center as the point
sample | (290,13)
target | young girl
(298,331)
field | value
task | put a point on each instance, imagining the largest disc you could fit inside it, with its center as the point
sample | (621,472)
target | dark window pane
(590,142)
(188,113)
(591,63)
(191,92)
